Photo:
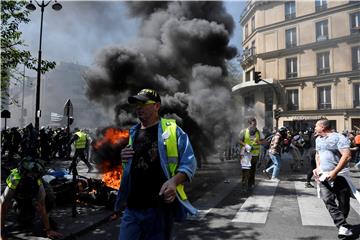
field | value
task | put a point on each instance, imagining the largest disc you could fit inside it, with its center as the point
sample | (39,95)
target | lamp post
(56,6)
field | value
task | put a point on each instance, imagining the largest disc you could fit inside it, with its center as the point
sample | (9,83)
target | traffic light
(277,113)
(257,77)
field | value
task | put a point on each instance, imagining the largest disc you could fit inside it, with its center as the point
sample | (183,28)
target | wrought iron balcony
(248,57)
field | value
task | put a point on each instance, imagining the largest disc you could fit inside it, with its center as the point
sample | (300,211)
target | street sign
(68,108)
(5,114)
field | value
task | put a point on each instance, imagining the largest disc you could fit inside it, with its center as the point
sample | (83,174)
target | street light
(30,6)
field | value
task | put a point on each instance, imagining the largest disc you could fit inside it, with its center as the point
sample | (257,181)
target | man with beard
(158,160)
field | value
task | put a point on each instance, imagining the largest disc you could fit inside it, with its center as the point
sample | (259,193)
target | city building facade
(308,52)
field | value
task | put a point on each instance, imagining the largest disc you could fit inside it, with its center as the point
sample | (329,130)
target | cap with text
(144,96)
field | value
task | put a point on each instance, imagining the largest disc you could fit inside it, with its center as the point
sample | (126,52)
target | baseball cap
(145,95)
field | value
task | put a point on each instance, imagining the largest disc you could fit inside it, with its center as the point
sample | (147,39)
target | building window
(291,67)
(320,5)
(355,58)
(292,99)
(322,31)
(246,31)
(323,66)
(247,76)
(253,24)
(290,12)
(253,47)
(290,35)
(324,97)
(355,22)
(249,102)
(357,95)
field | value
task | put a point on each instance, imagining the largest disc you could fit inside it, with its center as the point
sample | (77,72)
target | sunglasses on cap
(148,102)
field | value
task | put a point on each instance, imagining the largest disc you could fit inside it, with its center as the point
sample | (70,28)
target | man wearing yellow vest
(157,161)
(251,139)
(80,140)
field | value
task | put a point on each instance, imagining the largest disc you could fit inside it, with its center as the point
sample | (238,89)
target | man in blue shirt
(151,186)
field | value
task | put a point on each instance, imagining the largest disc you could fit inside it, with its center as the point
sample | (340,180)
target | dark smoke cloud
(181,52)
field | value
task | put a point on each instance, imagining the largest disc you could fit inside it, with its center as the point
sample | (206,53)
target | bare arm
(317,169)
(345,158)
(168,189)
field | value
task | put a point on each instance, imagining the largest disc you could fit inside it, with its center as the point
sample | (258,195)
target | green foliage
(13,13)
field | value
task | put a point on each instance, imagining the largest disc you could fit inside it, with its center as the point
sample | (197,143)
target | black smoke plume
(181,52)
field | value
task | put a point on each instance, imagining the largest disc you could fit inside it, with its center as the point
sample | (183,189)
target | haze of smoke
(181,52)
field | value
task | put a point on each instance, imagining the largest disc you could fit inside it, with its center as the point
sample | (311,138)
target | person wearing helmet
(24,185)
(275,153)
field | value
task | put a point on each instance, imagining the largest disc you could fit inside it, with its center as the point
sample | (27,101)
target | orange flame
(112,178)
(112,136)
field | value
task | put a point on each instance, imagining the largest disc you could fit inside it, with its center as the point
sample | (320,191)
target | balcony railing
(324,105)
(355,30)
(292,107)
(322,38)
(321,8)
(356,66)
(290,44)
(322,71)
(247,56)
(291,75)
(290,16)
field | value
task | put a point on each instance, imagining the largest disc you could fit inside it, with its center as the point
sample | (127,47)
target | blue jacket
(186,165)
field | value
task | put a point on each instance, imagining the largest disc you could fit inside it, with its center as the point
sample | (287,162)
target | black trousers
(80,152)
(248,175)
(340,190)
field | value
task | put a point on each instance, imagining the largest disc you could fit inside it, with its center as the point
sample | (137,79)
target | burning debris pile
(181,52)
(106,154)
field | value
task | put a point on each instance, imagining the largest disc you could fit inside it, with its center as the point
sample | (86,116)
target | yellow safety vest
(247,140)
(169,126)
(14,178)
(81,141)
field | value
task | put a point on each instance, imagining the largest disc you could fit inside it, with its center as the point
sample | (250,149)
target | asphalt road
(273,211)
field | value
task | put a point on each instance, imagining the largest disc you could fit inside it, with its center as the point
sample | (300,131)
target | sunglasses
(148,102)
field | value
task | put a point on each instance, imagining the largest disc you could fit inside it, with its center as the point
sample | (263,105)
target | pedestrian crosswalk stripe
(312,209)
(355,205)
(212,198)
(256,208)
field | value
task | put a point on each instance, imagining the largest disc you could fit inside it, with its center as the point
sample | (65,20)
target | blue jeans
(147,224)
(276,159)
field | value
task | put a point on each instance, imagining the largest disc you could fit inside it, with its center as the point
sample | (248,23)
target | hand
(114,216)
(316,174)
(53,235)
(168,189)
(331,177)
(127,153)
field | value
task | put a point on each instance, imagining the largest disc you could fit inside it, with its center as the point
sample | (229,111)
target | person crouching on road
(158,160)
(332,170)
(24,185)
(275,153)
(250,139)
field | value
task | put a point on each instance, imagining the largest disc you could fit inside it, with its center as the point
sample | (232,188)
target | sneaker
(275,179)
(266,174)
(309,185)
(344,232)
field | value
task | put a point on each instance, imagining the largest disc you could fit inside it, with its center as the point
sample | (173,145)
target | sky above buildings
(82,28)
